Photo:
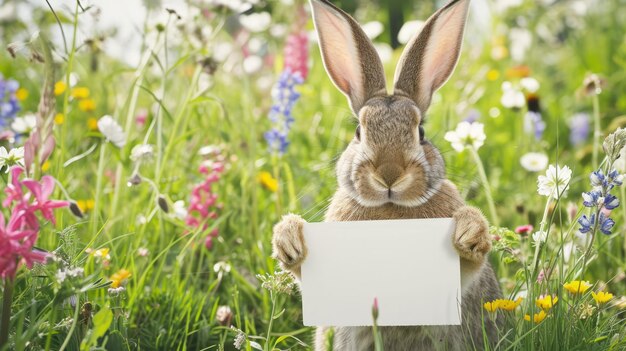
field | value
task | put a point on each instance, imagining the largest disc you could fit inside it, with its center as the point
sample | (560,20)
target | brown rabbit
(390,171)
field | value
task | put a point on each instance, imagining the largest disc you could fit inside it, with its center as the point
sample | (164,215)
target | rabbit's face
(389,161)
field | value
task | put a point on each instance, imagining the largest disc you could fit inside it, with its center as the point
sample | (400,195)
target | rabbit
(391,171)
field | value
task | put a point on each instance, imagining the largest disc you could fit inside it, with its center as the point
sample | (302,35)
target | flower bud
(162,202)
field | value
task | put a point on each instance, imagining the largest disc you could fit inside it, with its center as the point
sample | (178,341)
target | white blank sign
(410,266)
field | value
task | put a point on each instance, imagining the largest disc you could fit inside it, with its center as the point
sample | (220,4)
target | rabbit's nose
(389,172)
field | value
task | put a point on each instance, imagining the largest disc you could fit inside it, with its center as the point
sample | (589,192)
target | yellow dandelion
(602,297)
(577,286)
(537,317)
(87,105)
(59,118)
(45,166)
(269,182)
(80,93)
(492,306)
(85,205)
(118,278)
(59,88)
(546,302)
(493,74)
(21,94)
(102,253)
(92,123)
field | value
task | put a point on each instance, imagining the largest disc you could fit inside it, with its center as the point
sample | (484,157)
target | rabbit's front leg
(472,242)
(288,244)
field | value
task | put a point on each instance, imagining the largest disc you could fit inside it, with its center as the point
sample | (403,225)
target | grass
(172,298)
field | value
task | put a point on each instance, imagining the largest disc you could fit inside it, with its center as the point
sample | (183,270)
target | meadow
(139,198)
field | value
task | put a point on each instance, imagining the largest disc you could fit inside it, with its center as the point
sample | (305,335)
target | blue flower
(615,178)
(284,96)
(606,224)
(590,199)
(586,224)
(9,106)
(597,178)
(534,123)
(579,128)
(610,202)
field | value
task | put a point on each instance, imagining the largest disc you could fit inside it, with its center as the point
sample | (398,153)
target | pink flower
(42,192)
(141,117)
(14,190)
(16,245)
(524,229)
(297,54)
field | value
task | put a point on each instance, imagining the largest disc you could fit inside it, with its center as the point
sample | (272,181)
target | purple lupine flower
(586,224)
(606,224)
(590,199)
(596,178)
(579,128)
(9,105)
(533,123)
(611,202)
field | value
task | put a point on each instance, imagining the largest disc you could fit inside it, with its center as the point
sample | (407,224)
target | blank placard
(409,266)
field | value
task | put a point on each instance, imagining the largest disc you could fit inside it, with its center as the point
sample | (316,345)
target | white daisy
(112,131)
(466,135)
(512,97)
(534,161)
(539,237)
(24,125)
(556,181)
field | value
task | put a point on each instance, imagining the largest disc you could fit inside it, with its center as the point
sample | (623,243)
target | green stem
(96,208)
(539,246)
(483,178)
(597,129)
(269,327)
(7,298)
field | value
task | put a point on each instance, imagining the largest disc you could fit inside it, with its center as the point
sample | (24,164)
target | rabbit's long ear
(349,56)
(430,57)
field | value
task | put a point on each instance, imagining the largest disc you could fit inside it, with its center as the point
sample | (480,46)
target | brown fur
(389,173)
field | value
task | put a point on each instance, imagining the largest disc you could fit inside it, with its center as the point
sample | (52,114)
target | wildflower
(79,93)
(510,305)
(64,273)
(537,317)
(142,153)
(605,223)
(21,94)
(556,181)
(534,161)
(141,117)
(16,244)
(529,84)
(112,131)
(223,315)
(59,118)
(114,291)
(579,128)
(92,123)
(547,301)
(59,88)
(512,97)
(577,286)
(85,205)
(120,277)
(539,237)
(14,157)
(284,96)
(375,309)
(256,22)
(240,339)
(601,297)
(614,143)
(86,105)
(492,306)
(143,252)
(296,54)
(102,254)
(269,182)
(534,123)
(585,310)
(472,116)
(180,210)
(9,104)
(593,84)
(466,135)
(524,229)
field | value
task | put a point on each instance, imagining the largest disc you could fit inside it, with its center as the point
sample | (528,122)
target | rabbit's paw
(288,242)
(471,237)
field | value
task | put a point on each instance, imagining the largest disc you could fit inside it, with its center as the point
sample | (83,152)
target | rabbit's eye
(421,130)
(358,132)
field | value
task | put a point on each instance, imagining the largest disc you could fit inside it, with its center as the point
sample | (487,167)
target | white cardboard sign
(409,266)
